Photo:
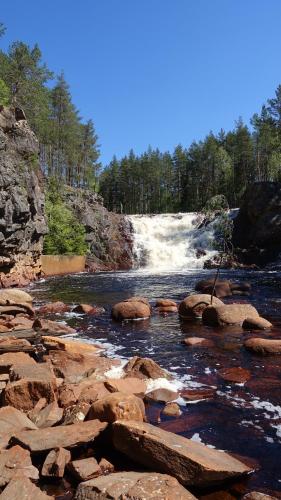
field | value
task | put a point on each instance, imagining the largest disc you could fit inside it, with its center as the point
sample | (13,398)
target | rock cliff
(22,221)
(257,228)
(108,234)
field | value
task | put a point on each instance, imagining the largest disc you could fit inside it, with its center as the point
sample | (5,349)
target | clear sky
(158,72)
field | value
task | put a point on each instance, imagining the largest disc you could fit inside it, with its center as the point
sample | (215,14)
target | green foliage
(217,208)
(4,93)
(66,235)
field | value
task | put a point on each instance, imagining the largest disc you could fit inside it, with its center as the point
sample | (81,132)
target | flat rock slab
(190,462)
(133,485)
(49,416)
(11,421)
(66,436)
(162,395)
(129,385)
(263,346)
(16,462)
(13,358)
(23,489)
(84,469)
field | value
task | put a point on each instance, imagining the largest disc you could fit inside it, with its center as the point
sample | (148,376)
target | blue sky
(158,72)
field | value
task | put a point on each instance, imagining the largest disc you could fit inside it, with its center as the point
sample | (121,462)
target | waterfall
(171,241)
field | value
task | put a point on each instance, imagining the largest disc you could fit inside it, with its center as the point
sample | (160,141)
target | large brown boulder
(64,436)
(230,314)
(24,393)
(117,406)
(263,346)
(256,324)
(194,305)
(190,462)
(130,310)
(132,486)
(71,346)
(10,359)
(222,287)
(165,303)
(144,368)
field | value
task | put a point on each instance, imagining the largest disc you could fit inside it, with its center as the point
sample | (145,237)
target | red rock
(49,416)
(230,314)
(37,371)
(21,323)
(75,413)
(165,303)
(12,344)
(64,436)
(162,395)
(106,467)
(144,368)
(33,414)
(129,385)
(198,341)
(190,462)
(172,410)
(193,305)
(143,300)
(55,463)
(130,310)
(263,346)
(71,346)
(14,296)
(256,324)
(23,394)
(87,309)
(14,358)
(255,495)
(235,374)
(84,469)
(22,488)
(53,308)
(117,406)
(16,462)
(11,421)
(134,485)
(52,327)
(166,309)
(197,394)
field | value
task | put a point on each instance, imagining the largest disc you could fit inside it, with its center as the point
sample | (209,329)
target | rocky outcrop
(257,228)
(22,221)
(108,234)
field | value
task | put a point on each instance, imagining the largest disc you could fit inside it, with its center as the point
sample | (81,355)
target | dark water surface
(242,419)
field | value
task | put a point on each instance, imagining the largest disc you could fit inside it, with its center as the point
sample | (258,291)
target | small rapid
(171,241)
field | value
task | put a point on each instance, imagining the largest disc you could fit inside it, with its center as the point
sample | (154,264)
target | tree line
(222,164)
(69,150)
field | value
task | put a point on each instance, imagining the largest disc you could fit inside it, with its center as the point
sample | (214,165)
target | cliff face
(22,221)
(257,228)
(109,235)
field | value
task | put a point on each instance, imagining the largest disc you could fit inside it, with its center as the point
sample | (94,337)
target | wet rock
(198,341)
(143,300)
(172,410)
(190,462)
(235,374)
(67,436)
(55,463)
(84,469)
(88,309)
(222,287)
(14,296)
(144,368)
(22,488)
(52,327)
(54,308)
(106,467)
(23,394)
(255,495)
(16,462)
(263,346)
(256,324)
(194,305)
(133,485)
(71,346)
(130,310)
(165,303)
(230,314)
(161,395)
(11,421)
(166,309)
(117,406)
(197,394)
(129,385)
(49,416)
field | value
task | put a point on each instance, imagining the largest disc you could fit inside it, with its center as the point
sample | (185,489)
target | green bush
(4,93)
(66,235)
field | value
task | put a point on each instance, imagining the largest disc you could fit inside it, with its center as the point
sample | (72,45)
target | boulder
(117,406)
(10,359)
(193,305)
(230,314)
(71,346)
(222,287)
(37,371)
(129,385)
(87,309)
(256,324)
(235,374)
(84,469)
(263,346)
(55,463)
(192,463)
(166,309)
(198,342)
(171,410)
(132,486)
(15,309)
(165,303)
(130,310)
(22,488)
(11,421)
(49,416)
(52,327)
(21,323)
(23,394)
(16,462)
(144,368)
(12,344)
(143,300)
(87,391)
(161,395)
(14,296)
(54,308)
(67,436)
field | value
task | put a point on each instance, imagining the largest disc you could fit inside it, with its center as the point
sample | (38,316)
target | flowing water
(244,419)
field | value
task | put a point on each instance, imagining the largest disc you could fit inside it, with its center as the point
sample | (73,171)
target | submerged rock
(263,346)
(256,324)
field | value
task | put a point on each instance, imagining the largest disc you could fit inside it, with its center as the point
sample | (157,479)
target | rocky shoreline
(74,422)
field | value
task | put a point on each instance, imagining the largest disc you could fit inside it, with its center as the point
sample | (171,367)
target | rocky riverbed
(78,421)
